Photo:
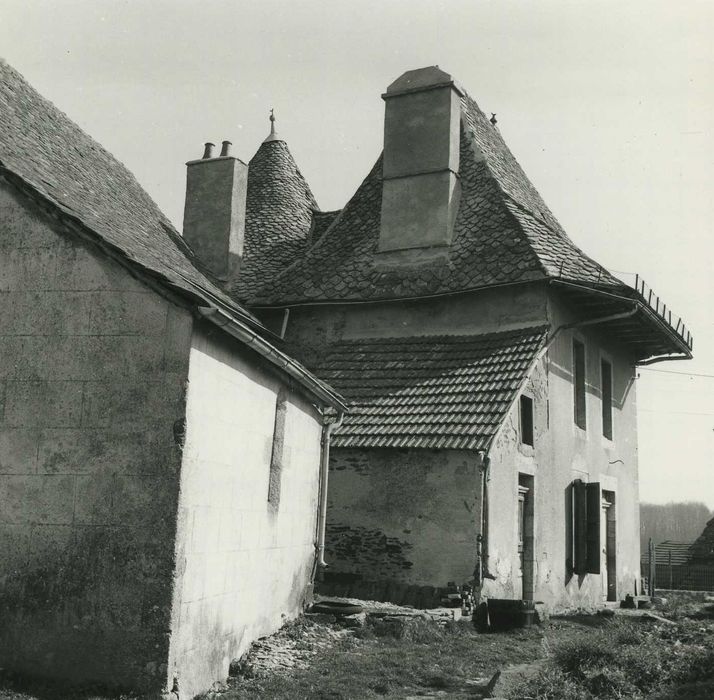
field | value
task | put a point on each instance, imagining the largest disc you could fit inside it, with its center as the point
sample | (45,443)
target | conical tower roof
(279,214)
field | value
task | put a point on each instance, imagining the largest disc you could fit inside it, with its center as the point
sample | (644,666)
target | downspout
(482,571)
(327,428)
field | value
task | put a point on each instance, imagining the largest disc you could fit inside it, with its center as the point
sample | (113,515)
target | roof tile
(443,391)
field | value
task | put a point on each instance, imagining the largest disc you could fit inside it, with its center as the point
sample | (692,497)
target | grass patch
(386,659)
(628,658)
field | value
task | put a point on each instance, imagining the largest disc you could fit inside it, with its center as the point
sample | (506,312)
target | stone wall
(403,516)
(92,381)
(245,544)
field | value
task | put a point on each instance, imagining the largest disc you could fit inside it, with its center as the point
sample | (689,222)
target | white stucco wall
(564,452)
(243,567)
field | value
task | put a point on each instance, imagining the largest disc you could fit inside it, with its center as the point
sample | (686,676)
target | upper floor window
(606,392)
(579,383)
(526,420)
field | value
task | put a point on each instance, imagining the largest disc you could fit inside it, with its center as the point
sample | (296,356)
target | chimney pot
(226,148)
(214,214)
(208,150)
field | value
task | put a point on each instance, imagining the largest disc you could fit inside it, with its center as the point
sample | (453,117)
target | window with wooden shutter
(586,512)
(594,510)
(580,538)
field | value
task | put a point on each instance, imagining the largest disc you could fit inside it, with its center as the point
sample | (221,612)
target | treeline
(679,522)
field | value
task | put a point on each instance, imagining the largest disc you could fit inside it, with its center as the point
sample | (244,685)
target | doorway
(525,579)
(608,545)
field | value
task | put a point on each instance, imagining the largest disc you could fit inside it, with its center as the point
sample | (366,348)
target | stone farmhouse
(160,456)
(489,363)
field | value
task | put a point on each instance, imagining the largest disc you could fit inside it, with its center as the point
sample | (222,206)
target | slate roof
(279,216)
(504,233)
(43,150)
(48,151)
(428,392)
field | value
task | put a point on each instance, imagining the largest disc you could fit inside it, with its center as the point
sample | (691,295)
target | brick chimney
(420,189)
(214,213)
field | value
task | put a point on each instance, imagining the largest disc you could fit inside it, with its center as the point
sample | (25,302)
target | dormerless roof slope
(503,233)
(43,150)
(58,160)
(450,392)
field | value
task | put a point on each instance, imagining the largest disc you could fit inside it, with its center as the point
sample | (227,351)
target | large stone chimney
(214,214)
(420,190)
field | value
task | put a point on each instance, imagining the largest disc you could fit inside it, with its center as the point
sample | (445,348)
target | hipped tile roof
(52,155)
(279,216)
(503,233)
(449,392)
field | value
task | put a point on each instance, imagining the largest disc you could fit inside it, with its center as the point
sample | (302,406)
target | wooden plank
(580,541)
(594,513)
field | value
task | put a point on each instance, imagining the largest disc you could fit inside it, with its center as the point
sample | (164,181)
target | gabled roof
(504,233)
(429,392)
(279,215)
(48,155)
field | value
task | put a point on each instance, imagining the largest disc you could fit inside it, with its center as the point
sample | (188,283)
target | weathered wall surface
(243,563)
(408,516)
(564,452)
(506,308)
(92,372)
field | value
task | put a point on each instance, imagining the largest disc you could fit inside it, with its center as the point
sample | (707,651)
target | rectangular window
(526,420)
(606,377)
(579,382)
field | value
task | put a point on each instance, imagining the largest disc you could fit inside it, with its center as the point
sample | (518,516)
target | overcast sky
(608,106)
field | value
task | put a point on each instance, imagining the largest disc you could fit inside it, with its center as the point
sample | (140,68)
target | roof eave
(666,342)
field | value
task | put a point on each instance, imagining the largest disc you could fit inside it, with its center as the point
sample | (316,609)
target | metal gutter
(315,386)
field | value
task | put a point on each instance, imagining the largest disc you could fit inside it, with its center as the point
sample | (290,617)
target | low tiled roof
(503,233)
(68,168)
(428,392)
(677,553)
(279,215)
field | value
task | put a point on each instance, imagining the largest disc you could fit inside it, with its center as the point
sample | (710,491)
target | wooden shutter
(594,513)
(579,527)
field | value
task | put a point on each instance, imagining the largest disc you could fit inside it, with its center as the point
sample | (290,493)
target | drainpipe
(327,428)
(589,322)
(482,537)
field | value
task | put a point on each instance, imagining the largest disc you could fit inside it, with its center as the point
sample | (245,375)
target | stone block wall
(245,544)
(93,365)
(407,517)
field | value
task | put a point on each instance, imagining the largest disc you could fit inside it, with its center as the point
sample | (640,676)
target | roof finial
(493,119)
(272,136)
